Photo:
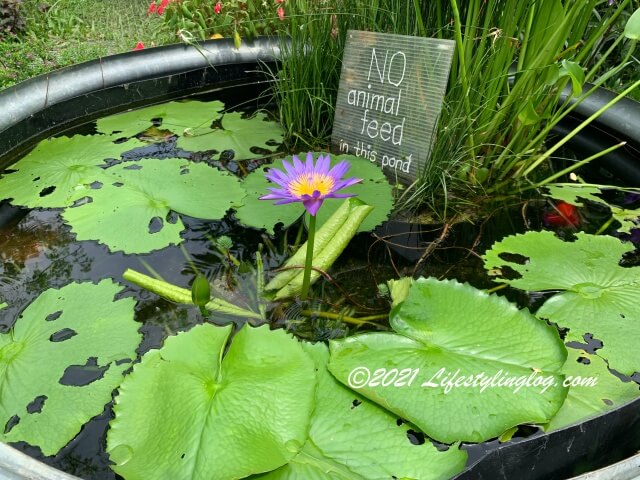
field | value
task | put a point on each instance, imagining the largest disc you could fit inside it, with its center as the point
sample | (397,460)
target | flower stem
(306,279)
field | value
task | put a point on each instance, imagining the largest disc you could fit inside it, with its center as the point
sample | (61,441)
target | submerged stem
(345,318)
(306,279)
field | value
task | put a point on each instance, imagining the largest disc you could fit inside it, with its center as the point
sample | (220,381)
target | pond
(172,191)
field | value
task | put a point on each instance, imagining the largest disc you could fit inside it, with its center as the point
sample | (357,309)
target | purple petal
(276,176)
(309,165)
(290,170)
(346,183)
(271,196)
(297,164)
(312,205)
(324,162)
(279,191)
(340,169)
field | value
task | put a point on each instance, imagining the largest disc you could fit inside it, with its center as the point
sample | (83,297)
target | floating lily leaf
(174,116)
(60,332)
(352,438)
(586,400)
(375,190)
(544,262)
(188,413)
(131,211)
(573,193)
(193,121)
(49,175)
(600,298)
(237,134)
(483,366)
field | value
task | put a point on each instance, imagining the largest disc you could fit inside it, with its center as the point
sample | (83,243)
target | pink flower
(281,13)
(162,6)
(218,8)
(279,1)
(152,7)
(139,46)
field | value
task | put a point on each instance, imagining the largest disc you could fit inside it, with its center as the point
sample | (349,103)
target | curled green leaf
(338,235)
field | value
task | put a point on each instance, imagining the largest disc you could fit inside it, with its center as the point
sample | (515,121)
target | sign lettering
(390,96)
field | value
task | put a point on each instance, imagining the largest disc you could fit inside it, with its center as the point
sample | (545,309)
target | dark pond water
(38,251)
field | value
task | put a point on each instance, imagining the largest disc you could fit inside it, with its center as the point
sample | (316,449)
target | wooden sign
(389,100)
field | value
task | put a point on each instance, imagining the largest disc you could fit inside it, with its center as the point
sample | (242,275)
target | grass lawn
(64,32)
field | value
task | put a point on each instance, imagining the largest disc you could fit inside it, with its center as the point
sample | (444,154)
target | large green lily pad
(236,133)
(375,190)
(600,297)
(49,175)
(450,332)
(63,328)
(595,390)
(131,211)
(545,262)
(352,438)
(187,412)
(175,116)
(201,126)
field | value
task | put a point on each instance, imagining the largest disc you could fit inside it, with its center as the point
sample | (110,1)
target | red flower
(139,46)
(563,215)
(162,6)
(218,8)
(279,1)
(152,7)
(281,13)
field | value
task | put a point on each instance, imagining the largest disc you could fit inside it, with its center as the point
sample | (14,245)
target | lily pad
(236,133)
(201,126)
(60,332)
(352,438)
(596,390)
(600,297)
(187,412)
(483,366)
(375,190)
(132,210)
(50,174)
(175,116)
(575,194)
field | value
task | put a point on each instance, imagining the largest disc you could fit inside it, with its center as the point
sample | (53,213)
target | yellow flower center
(306,184)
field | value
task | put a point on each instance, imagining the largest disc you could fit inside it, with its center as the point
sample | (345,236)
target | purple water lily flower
(309,183)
